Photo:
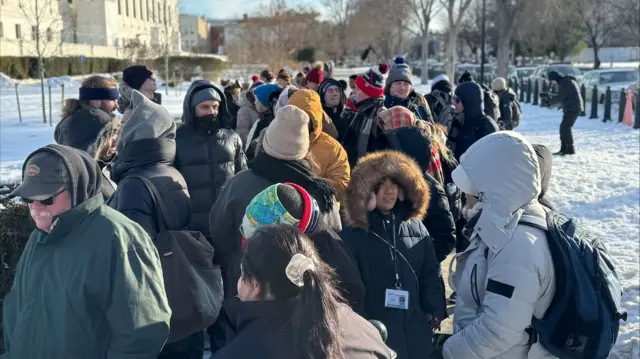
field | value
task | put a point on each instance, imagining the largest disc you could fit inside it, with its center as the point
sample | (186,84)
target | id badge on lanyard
(396,298)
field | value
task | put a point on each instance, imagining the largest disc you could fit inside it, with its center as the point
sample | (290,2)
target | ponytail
(315,319)
(70,107)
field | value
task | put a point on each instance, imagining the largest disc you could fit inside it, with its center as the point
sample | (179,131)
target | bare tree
(509,13)
(341,12)
(628,11)
(46,24)
(455,10)
(168,36)
(598,20)
(423,12)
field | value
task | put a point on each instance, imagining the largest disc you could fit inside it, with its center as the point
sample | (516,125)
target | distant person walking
(569,98)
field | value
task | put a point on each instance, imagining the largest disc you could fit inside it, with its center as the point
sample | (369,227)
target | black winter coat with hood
(370,236)
(471,125)
(146,148)
(262,329)
(89,130)
(207,156)
(334,112)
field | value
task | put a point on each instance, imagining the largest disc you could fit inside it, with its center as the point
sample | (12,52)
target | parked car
(520,74)
(541,73)
(615,79)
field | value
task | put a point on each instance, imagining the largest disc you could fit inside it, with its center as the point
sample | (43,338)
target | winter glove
(434,322)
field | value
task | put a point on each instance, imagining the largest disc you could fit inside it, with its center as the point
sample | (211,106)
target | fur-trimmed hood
(371,170)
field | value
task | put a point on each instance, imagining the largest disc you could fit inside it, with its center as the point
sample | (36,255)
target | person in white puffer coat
(506,275)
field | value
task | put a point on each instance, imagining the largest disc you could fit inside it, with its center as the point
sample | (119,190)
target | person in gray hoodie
(505,277)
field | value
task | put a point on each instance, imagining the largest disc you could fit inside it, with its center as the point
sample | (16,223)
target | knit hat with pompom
(372,82)
(400,71)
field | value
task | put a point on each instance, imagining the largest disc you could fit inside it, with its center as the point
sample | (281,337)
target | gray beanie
(206,94)
(147,120)
(400,71)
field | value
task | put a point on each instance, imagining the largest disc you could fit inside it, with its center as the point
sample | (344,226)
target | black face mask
(208,123)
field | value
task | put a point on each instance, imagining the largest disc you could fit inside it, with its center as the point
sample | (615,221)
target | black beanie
(136,75)
(291,200)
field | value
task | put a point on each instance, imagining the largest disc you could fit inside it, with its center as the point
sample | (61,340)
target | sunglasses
(44,202)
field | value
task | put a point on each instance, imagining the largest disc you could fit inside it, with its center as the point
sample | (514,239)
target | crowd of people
(331,208)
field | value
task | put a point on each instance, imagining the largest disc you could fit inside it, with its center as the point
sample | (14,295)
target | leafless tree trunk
(340,12)
(509,12)
(455,10)
(598,19)
(423,12)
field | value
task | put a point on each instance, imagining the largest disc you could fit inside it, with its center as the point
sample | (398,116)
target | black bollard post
(18,103)
(607,105)
(535,93)
(521,92)
(623,103)
(594,103)
(544,102)
(583,94)
(62,96)
(636,123)
(529,91)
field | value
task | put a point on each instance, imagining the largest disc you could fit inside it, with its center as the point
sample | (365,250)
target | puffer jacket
(77,291)
(247,116)
(327,152)
(568,96)
(206,159)
(369,234)
(471,125)
(506,275)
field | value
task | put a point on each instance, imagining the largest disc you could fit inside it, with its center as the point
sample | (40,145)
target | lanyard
(393,249)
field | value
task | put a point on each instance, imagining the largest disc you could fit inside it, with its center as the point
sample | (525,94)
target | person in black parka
(288,306)
(146,148)
(385,203)
(470,124)
(572,105)
(232,93)
(207,155)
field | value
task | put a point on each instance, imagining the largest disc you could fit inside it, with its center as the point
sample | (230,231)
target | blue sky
(228,9)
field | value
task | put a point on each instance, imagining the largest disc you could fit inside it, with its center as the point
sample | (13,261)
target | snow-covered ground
(600,186)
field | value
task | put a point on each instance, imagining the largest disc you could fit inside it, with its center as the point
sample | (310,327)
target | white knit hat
(498,84)
(287,137)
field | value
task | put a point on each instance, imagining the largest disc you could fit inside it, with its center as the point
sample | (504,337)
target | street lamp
(484,18)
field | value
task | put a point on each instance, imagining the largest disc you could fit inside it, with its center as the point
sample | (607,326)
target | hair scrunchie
(296,268)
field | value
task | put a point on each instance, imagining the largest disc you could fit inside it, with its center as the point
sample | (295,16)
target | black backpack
(491,104)
(584,316)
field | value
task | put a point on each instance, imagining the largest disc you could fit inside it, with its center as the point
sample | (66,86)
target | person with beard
(232,93)
(146,149)
(470,124)
(247,115)
(88,124)
(399,91)
(328,154)
(510,111)
(207,155)
(385,204)
(363,124)
(572,105)
(89,283)
(440,101)
(282,156)
(506,276)
(139,78)
(333,99)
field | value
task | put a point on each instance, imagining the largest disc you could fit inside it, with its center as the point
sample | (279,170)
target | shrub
(15,227)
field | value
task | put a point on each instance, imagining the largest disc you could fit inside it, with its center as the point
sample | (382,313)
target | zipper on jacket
(37,306)
(211,171)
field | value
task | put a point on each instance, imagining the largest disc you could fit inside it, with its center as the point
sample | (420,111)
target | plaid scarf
(365,119)
(435,167)
(396,117)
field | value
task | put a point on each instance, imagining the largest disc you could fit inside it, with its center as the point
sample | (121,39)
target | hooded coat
(471,125)
(334,112)
(369,236)
(506,274)
(327,152)
(568,93)
(510,111)
(147,149)
(206,158)
(247,116)
(262,329)
(77,291)
(89,129)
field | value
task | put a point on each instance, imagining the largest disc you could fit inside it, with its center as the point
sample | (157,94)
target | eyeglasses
(44,202)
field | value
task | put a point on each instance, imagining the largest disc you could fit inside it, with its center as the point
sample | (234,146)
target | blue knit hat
(263,92)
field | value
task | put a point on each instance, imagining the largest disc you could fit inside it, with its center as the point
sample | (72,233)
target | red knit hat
(255,78)
(315,75)
(372,82)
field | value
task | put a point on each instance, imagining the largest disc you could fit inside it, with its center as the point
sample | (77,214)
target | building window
(18,31)
(49,34)
(34,33)
(119,7)
(126,7)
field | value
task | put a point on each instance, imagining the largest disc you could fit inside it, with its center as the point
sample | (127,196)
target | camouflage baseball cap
(42,177)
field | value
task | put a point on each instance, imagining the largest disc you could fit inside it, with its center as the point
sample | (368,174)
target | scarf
(282,171)
(366,122)
(454,131)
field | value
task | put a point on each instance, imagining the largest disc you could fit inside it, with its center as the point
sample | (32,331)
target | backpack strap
(533,221)
(160,221)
